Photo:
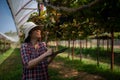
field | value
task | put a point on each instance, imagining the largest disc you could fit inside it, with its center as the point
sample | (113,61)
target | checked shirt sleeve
(25,54)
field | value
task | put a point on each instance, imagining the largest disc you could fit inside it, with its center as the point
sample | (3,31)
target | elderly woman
(34,54)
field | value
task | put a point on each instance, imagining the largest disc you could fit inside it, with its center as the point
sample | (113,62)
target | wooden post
(112,49)
(80,50)
(73,50)
(69,48)
(98,52)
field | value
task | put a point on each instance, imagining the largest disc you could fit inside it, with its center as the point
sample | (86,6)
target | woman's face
(36,34)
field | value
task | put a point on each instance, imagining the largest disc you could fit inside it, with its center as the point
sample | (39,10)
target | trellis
(5,43)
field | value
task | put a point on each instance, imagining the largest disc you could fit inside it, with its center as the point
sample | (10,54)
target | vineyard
(5,43)
(89,29)
(63,68)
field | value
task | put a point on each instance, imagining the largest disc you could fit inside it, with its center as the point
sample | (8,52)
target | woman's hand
(49,52)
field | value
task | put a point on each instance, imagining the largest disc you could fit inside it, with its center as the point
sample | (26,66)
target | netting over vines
(21,10)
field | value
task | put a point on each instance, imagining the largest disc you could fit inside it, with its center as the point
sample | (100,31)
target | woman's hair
(27,40)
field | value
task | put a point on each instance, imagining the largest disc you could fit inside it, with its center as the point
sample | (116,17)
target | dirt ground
(68,72)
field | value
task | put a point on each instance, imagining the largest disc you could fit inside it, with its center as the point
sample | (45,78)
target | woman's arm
(35,61)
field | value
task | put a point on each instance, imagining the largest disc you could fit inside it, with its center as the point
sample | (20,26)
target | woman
(34,54)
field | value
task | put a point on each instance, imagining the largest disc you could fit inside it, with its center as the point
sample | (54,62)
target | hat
(28,26)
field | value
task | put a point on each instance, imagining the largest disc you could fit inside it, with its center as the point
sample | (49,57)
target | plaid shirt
(40,71)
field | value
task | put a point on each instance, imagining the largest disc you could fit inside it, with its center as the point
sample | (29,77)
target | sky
(6,20)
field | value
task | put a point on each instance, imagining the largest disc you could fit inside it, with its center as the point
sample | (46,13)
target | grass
(11,68)
(55,75)
(90,68)
(6,54)
(92,53)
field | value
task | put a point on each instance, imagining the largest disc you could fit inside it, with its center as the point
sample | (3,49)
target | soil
(68,72)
